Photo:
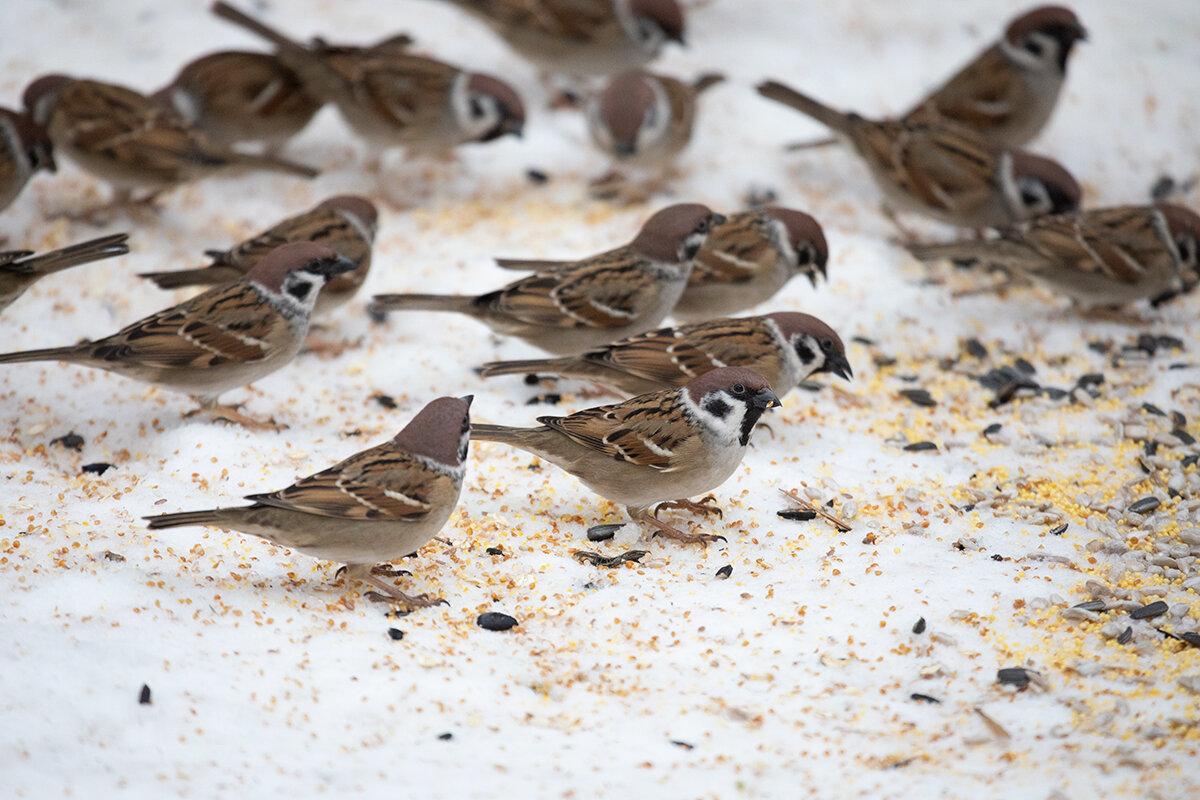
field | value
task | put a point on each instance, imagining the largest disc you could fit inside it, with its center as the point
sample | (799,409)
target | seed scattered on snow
(109,555)
(797,514)
(1155,609)
(547,399)
(1013,676)
(1092,605)
(98,468)
(1191,637)
(725,571)
(919,625)
(993,429)
(683,744)
(919,397)
(144,695)
(71,441)
(1150,408)
(395,634)
(975,348)
(1126,635)
(495,621)
(445,737)
(602,533)
(1145,505)
(385,400)
(494,551)
(1059,530)
(923,698)
(917,447)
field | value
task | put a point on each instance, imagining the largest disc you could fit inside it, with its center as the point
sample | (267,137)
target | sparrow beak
(623,149)
(467,398)
(839,366)
(765,399)
(717,219)
(334,267)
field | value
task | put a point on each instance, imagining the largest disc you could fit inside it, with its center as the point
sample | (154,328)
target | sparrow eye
(1034,47)
(476,107)
(827,344)
(804,256)
(739,389)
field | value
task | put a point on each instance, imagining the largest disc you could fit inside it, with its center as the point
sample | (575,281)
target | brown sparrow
(582,37)
(1009,91)
(1103,257)
(568,307)
(394,98)
(653,447)
(131,140)
(942,170)
(226,337)
(785,348)
(645,120)
(345,223)
(237,96)
(20,269)
(748,258)
(377,505)
(24,149)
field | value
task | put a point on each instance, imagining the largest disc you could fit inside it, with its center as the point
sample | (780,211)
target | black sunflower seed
(1155,609)
(993,429)
(797,514)
(536,176)
(445,737)
(144,695)
(919,625)
(1169,342)
(1183,436)
(495,621)
(1059,530)
(1191,637)
(72,441)
(602,533)
(924,698)
(395,634)
(98,468)
(1126,636)
(494,551)
(1145,505)
(1014,676)
(1024,366)
(1150,408)
(1147,343)
(385,400)
(919,397)
(1091,605)
(863,341)
(1089,379)
(725,571)
(917,447)
(975,348)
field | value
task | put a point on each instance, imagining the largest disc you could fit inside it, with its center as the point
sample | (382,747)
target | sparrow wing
(734,252)
(567,19)
(983,95)
(943,167)
(1121,243)
(646,430)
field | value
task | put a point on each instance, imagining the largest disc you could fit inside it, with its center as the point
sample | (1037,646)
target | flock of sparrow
(698,388)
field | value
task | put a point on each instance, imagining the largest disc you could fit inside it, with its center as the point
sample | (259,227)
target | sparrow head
(652,22)
(1043,186)
(440,432)
(493,108)
(817,345)
(629,112)
(730,400)
(295,272)
(41,95)
(25,136)
(676,233)
(360,208)
(1184,225)
(806,238)
(1044,36)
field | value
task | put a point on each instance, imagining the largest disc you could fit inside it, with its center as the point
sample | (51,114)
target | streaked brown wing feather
(734,252)
(636,431)
(1118,242)
(981,96)
(604,293)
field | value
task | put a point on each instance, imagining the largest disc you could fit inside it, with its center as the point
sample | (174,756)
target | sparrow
(568,307)
(226,337)
(1102,257)
(378,505)
(785,348)
(945,171)
(24,149)
(582,37)
(748,258)
(346,223)
(391,97)
(653,447)
(20,269)
(645,120)
(1009,91)
(237,96)
(131,140)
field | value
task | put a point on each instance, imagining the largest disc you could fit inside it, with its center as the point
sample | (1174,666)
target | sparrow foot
(231,415)
(671,532)
(707,505)
(388,593)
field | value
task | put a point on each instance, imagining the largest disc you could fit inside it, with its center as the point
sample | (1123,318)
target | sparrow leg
(388,592)
(906,236)
(230,414)
(812,145)
(707,505)
(670,531)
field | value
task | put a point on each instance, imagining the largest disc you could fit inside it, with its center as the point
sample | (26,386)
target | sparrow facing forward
(391,97)
(378,505)
(24,149)
(945,171)
(785,348)
(345,223)
(568,307)
(1009,91)
(218,340)
(748,258)
(20,269)
(654,447)
(1103,257)
(236,96)
(582,37)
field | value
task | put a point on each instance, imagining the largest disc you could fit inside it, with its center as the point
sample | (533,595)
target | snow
(791,678)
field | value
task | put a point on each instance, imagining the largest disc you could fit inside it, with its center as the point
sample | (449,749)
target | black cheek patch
(717,407)
(300,290)
(805,353)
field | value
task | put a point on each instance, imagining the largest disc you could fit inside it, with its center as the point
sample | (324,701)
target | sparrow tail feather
(210,516)
(835,120)
(82,253)
(463,304)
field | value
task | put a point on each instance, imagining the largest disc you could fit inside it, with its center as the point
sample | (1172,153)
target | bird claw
(701,507)
(231,415)
(412,601)
(671,532)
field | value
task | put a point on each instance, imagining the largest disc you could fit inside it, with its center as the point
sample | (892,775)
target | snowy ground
(793,677)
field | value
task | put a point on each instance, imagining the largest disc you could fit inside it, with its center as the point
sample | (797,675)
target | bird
(24,149)
(225,337)
(748,258)
(1097,258)
(785,347)
(944,170)
(20,269)
(1009,91)
(673,443)
(378,505)
(131,140)
(391,97)
(582,37)
(645,120)
(566,307)
(237,96)
(346,223)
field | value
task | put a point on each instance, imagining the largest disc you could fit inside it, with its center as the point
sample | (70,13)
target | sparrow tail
(210,516)
(483,432)
(201,276)
(551,365)
(76,254)
(995,251)
(707,81)
(48,354)
(835,120)
(463,304)
(529,264)
(231,14)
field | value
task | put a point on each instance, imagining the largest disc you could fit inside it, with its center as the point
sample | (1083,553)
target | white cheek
(726,429)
